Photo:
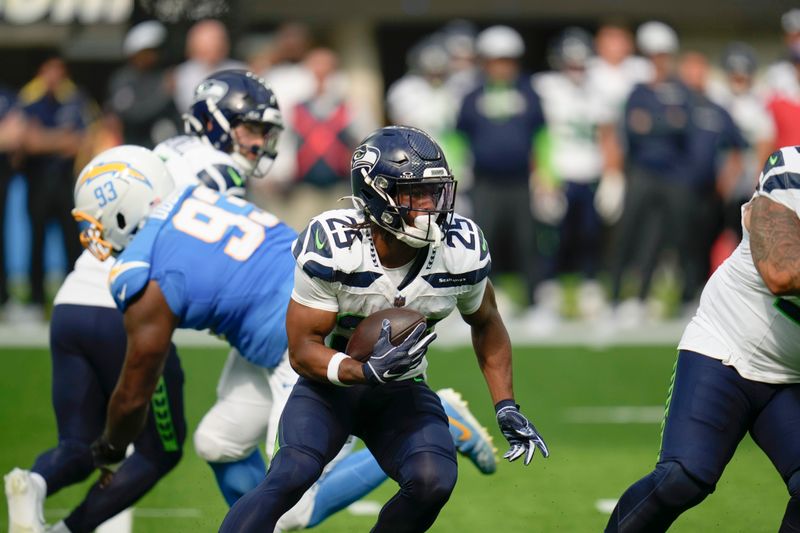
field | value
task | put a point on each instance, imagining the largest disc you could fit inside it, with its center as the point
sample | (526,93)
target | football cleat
(25,495)
(471,438)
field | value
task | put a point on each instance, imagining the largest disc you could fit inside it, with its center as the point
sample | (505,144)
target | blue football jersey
(222,264)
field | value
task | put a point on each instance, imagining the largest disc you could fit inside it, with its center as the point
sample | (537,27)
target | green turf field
(590,460)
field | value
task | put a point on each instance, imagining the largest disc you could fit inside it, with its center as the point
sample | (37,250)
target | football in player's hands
(402,320)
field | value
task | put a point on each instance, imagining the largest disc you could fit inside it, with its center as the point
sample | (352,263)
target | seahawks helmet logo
(366,157)
(212,90)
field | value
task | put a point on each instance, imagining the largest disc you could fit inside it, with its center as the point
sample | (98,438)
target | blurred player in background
(570,171)
(737,370)
(402,246)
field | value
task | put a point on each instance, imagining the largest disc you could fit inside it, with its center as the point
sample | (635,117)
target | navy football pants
(87,349)
(710,410)
(402,423)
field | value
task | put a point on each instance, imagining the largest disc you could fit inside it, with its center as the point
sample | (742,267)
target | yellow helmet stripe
(112,167)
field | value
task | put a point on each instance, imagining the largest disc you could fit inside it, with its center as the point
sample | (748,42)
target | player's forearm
(493,349)
(312,361)
(775,245)
(127,414)
(130,401)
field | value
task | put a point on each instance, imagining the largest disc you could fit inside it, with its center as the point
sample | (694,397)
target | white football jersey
(613,83)
(739,321)
(87,283)
(189,159)
(573,111)
(338,270)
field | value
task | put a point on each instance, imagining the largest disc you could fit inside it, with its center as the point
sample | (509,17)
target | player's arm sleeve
(127,280)
(780,179)
(313,292)
(315,268)
(470,301)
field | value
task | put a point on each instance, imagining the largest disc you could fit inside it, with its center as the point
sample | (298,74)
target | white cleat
(25,493)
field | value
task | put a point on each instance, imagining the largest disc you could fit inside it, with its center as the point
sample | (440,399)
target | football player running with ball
(401,245)
(737,370)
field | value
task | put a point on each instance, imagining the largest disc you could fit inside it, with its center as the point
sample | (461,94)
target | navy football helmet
(227,99)
(571,49)
(399,170)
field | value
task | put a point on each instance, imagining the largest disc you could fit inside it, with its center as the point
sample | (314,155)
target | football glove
(609,199)
(389,362)
(519,432)
(105,456)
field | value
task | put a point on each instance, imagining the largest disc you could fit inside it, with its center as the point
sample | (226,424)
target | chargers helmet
(390,168)
(114,194)
(227,99)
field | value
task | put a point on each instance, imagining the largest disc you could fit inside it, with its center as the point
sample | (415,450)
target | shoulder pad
(465,250)
(127,279)
(330,244)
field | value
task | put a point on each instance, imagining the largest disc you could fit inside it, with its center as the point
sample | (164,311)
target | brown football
(364,337)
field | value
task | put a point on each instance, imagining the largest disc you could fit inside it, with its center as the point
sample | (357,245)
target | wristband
(333,368)
(504,403)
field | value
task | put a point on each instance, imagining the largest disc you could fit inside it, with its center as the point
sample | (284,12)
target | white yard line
(365,508)
(605,505)
(620,414)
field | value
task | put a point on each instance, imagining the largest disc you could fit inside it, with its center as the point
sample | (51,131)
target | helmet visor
(432,196)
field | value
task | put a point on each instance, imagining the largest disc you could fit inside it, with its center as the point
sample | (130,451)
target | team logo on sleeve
(774,160)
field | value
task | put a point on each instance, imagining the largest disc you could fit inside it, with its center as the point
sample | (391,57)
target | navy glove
(389,362)
(519,432)
(107,458)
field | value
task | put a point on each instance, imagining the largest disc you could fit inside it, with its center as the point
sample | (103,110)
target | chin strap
(421,234)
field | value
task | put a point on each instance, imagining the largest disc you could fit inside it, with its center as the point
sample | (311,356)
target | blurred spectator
(57,115)
(614,71)
(459,41)
(441,70)
(573,112)
(207,49)
(715,150)
(656,127)
(421,97)
(612,74)
(326,128)
(11,131)
(292,84)
(139,92)
(500,120)
(738,96)
(783,84)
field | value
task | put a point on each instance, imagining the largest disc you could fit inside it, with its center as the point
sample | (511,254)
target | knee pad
(429,477)
(676,488)
(211,447)
(295,469)
(75,453)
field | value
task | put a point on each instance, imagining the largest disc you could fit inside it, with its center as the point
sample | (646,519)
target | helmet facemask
(265,153)
(429,199)
(91,236)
